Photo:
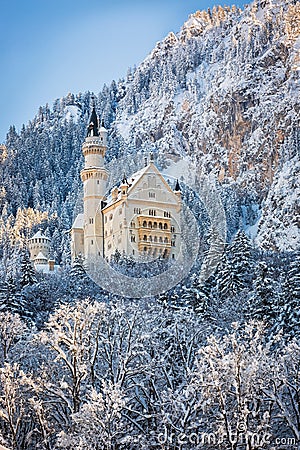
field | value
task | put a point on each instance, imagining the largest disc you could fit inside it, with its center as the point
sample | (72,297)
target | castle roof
(41,256)
(93,127)
(134,179)
(39,234)
(79,221)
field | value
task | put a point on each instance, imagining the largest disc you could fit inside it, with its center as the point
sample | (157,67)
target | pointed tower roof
(177,187)
(93,128)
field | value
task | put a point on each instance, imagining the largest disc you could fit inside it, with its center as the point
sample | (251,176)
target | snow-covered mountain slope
(223,93)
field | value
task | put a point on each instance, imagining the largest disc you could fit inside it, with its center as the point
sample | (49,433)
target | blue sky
(51,47)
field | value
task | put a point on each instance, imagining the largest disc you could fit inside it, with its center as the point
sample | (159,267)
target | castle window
(133,252)
(152,212)
(145,238)
(160,226)
(92,242)
(165,226)
(151,194)
(145,249)
(136,210)
(166,240)
(150,224)
(91,220)
(132,238)
(155,238)
(150,238)
(132,224)
(173,256)
(105,219)
(155,225)
(173,243)
(98,181)
(167,214)
(160,239)
(172,229)
(110,217)
(120,210)
(106,233)
(144,224)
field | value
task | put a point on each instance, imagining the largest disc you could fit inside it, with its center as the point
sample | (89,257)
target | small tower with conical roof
(94,177)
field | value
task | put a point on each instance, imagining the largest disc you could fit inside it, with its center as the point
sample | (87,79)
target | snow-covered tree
(28,275)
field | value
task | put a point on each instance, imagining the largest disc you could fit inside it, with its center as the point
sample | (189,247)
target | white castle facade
(140,218)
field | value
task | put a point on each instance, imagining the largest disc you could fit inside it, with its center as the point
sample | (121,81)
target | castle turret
(94,177)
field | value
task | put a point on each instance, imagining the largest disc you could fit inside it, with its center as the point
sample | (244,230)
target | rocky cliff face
(225,93)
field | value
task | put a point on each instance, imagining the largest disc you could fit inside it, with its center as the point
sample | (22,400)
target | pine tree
(229,282)
(3,295)
(78,272)
(15,300)
(289,317)
(264,302)
(241,255)
(28,276)
(195,296)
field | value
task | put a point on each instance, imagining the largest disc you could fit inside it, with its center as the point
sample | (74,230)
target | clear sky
(51,47)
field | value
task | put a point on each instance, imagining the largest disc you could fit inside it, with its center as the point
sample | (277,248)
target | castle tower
(94,177)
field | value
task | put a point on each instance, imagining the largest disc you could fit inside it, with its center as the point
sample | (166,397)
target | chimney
(51,263)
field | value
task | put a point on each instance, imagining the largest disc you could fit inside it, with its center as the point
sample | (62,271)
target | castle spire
(177,187)
(93,127)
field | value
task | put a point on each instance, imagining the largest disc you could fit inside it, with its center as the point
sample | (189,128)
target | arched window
(160,239)
(166,240)
(145,237)
(160,226)
(165,226)
(155,225)
(155,238)
(144,224)
(150,238)
(150,224)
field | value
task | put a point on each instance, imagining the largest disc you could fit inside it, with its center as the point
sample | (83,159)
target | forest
(213,362)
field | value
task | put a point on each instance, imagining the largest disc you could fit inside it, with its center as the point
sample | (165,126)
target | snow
(72,112)
(79,221)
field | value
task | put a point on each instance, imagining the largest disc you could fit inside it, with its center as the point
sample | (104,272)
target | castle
(140,218)
(39,248)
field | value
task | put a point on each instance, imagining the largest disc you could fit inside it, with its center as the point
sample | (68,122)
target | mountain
(223,93)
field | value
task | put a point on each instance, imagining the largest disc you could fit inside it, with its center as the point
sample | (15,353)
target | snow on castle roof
(41,256)
(79,221)
(39,234)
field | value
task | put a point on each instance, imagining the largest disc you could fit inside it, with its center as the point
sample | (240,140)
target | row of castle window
(39,240)
(160,225)
(136,210)
(95,175)
(155,239)
(165,252)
